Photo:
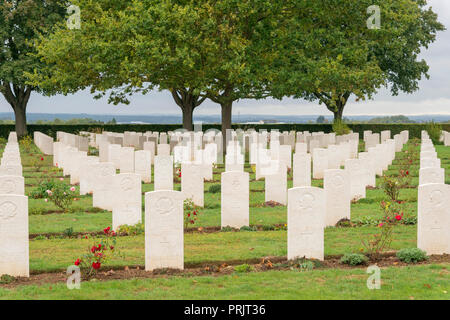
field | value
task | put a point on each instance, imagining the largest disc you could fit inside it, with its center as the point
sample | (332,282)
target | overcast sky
(432,98)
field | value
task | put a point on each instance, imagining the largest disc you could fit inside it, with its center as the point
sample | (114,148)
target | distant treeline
(320,120)
(377,120)
(57,121)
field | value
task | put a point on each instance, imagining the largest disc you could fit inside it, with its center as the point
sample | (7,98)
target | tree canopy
(227,50)
(334,54)
(195,49)
(20,22)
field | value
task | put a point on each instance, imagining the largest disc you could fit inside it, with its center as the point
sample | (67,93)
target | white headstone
(306,223)
(127,201)
(320,162)
(164,234)
(14,243)
(192,185)
(12,185)
(163,173)
(235,199)
(433,218)
(143,165)
(276,183)
(301,170)
(336,184)
(431,175)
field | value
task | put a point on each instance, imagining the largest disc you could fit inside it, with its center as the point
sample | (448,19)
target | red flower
(77,262)
(398,217)
(93,249)
(111,247)
(99,247)
(407,172)
(106,230)
(96,265)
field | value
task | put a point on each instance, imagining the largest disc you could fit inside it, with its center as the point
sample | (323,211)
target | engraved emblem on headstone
(306,203)
(126,184)
(7,187)
(7,210)
(164,206)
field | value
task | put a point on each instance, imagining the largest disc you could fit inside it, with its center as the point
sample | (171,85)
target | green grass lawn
(56,254)
(408,283)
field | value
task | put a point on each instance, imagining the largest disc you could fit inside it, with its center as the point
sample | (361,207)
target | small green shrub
(26,143)
(243,268)
(41,190)
(268,228)
(307,265)
(68,232)
(226,229)
(247,228)
(61,195)
(36,211)
(434,131)
(303,264)
(215,188)
(6,279)
(354,259)
(340,128)
(126,230)
(412,255)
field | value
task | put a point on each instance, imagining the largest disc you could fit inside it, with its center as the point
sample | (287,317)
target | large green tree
(20,22)
(195,49)
(243,50)
(335,55)
(128,47)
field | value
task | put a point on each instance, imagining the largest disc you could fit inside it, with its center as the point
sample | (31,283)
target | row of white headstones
(14,251)
(433,214)
(309,209)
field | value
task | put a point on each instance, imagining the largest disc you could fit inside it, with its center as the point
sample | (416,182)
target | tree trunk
(226,121)
(338,114)
(188,111)
(21,120)
(187,102)
(18,98)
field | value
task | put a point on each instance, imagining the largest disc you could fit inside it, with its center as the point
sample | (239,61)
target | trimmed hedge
(414,129)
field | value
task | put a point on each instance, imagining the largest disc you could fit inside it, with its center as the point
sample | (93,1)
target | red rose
(111,247)
(398,217)
(106,230)
(407,172)
(93,249)
(99,247)
(96,265)
(42,159)
(77,262)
